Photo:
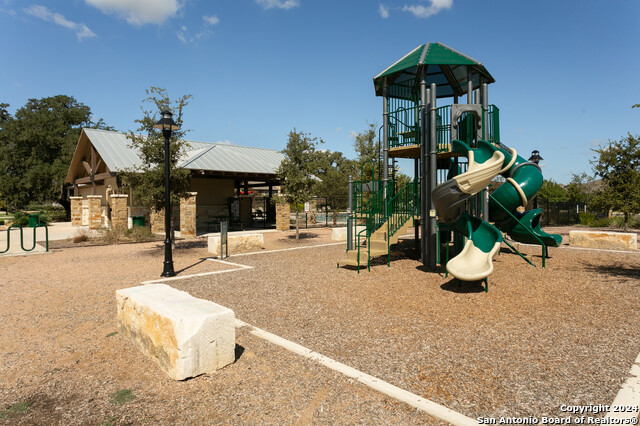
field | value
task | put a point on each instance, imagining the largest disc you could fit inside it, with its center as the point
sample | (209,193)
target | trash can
(137,220)
(34,219)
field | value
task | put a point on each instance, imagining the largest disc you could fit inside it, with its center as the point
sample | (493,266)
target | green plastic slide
(523,181)
(475,261)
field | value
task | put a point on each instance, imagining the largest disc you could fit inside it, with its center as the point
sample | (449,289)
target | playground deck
(567,334)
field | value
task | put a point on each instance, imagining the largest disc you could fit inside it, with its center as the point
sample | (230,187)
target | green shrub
(586,218)
(20,219)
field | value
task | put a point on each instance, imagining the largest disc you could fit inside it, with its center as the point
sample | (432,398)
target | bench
(185,336)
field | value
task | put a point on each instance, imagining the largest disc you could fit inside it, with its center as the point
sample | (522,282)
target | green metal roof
(444,66)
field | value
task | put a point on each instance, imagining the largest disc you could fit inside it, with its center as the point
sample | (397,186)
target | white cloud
(420,11)
(353,133)
(338,129)
(595,142)
(211,20)
(383,11)
(278,4)
(139,12)
(81,30)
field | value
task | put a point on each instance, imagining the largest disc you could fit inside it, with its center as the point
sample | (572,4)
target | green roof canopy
(444,66)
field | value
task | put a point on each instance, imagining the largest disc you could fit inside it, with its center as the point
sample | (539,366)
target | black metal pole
(168,257)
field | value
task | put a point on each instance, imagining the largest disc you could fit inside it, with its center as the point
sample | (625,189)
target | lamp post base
(168,270)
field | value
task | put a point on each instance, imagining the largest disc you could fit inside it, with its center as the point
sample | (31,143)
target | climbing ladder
(384,219)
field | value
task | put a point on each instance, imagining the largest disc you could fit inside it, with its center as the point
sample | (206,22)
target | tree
(618,164)
(296,172)
(552,191)
(36,146)
(367,149)
(578,190)
(333,170)
(147,179)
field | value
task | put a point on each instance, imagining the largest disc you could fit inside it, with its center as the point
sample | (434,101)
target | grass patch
(15,409)
(81,236)
(112,334)
(122,396)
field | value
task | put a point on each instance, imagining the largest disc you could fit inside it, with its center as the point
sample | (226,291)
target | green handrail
(544,247)
(46,230)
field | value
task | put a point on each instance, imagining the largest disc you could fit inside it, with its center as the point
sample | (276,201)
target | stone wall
(119,211)
(76,211)
(283,211)
(95,211)
(188,216)
(156,219)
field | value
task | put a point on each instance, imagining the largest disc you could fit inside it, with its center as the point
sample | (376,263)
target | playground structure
(457,153)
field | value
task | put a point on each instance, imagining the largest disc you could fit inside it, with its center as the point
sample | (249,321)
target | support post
(416,179)
(433,178)
(485,125)
(424,181)
(350,223)
(385,144)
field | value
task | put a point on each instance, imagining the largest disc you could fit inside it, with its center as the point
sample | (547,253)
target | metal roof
(116,152)
(444,66)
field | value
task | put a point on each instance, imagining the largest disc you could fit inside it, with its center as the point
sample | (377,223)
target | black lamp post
(535,159)
(167,125)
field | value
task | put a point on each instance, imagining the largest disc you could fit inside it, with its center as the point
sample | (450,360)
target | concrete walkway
(57,231)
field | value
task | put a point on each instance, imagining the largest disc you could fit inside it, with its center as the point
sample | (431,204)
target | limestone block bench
(185,336)
(238,243)
(340,234)
(604,240)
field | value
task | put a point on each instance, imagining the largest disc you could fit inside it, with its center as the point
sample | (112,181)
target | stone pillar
(119,211)
(188,216)
(76,211)
(156,217)
(283,211)
(95,212)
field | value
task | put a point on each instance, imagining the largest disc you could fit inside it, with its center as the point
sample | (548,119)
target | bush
(20,219)
(112,236)
(140,234)
(586,218)
(81,236)
(608,222)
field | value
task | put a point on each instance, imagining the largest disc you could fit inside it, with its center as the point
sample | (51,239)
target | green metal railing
(403,206)
(404,126)
(374,215)
(46,231)
(492,130)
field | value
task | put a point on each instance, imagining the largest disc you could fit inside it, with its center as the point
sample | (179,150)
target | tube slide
(523,181)
(483,239)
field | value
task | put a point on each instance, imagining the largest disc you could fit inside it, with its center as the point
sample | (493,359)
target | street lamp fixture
(535,157)
(167,125)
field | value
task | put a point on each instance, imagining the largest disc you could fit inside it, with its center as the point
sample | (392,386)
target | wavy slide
(524,180)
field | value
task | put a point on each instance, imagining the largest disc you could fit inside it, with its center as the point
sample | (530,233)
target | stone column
(119,211)
(283,211)
(95,211)
(188,216)
(156,217)
(76,211)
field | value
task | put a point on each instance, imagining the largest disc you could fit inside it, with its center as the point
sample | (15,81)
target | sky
(566,71)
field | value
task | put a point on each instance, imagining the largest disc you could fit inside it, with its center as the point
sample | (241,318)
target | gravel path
(539,338)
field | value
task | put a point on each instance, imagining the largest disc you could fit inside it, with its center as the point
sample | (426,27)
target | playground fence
(563,213)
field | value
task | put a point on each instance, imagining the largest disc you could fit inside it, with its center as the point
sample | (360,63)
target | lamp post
(535,159)
(167,125)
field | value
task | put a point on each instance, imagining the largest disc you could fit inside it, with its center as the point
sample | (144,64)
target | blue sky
(566,71)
